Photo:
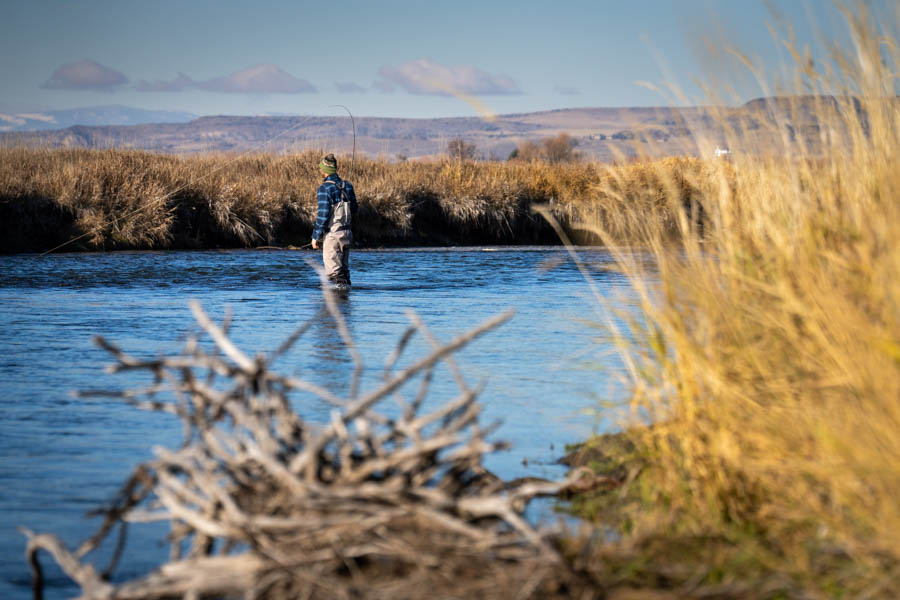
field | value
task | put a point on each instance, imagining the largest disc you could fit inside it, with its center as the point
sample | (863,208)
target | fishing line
(353,155)
(231,161)
(350,176)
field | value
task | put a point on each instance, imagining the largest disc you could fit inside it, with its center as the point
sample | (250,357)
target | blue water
(60,456)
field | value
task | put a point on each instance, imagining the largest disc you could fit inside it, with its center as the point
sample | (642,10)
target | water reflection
(333,361)
(60,455)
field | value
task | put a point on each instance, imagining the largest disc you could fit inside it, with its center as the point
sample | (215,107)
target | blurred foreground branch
(263,503)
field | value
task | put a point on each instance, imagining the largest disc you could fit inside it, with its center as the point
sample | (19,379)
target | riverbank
(760,453)
(128,200)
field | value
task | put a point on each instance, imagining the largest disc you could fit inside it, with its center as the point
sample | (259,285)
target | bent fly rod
(353,154)
(164,197)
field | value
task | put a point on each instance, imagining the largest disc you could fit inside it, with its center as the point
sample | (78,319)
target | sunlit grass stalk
(766,349)
(121,199)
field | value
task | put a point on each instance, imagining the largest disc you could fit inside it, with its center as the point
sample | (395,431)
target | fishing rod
(352,161)
(353,155)
(165,197)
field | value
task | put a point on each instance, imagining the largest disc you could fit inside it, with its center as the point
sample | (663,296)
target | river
(546,370)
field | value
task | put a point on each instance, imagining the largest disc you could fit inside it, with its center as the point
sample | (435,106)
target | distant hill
(600,133)
(114,114)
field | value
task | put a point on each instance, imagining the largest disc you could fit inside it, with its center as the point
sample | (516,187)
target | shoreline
(101,200)
(559,247)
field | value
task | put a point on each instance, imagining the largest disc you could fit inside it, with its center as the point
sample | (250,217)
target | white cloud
(424,76)
(85,75)
(38,117)
(263,78)
(14,119)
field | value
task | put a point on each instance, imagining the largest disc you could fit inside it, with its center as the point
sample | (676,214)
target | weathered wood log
(268,504)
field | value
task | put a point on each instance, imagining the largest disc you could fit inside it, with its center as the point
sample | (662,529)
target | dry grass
(118,199)
(763,458)
(766,354)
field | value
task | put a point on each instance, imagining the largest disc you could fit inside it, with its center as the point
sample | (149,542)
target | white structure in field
(722,152)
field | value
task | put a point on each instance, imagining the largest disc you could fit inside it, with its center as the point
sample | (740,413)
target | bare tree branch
(308,504)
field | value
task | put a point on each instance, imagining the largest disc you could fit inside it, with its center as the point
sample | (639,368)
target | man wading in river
(337,205)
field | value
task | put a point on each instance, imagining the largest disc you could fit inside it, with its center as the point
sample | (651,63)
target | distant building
(722,152)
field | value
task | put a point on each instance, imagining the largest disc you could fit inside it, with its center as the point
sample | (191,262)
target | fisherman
(337,205)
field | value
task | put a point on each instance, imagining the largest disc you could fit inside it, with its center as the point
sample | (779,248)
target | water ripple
(60,455)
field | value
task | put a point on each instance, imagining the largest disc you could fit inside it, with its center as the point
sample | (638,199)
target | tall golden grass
(122,199)
(764,360)
(764,454)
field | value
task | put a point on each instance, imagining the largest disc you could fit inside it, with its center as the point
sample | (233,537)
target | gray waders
(336,245)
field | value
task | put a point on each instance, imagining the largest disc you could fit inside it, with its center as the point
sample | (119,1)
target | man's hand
(315,244)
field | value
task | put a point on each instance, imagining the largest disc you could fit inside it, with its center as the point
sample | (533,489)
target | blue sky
(391,57)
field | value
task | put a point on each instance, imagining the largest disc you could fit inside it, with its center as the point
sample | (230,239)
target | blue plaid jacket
(329,195)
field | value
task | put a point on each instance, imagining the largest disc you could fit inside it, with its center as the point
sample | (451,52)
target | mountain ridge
(17,120)
(602,133)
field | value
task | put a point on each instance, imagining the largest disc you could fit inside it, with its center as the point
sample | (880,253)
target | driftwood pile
(263,504)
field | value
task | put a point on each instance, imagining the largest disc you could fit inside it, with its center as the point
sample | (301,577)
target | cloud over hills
(85,75)
(424,76)
(264,78)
